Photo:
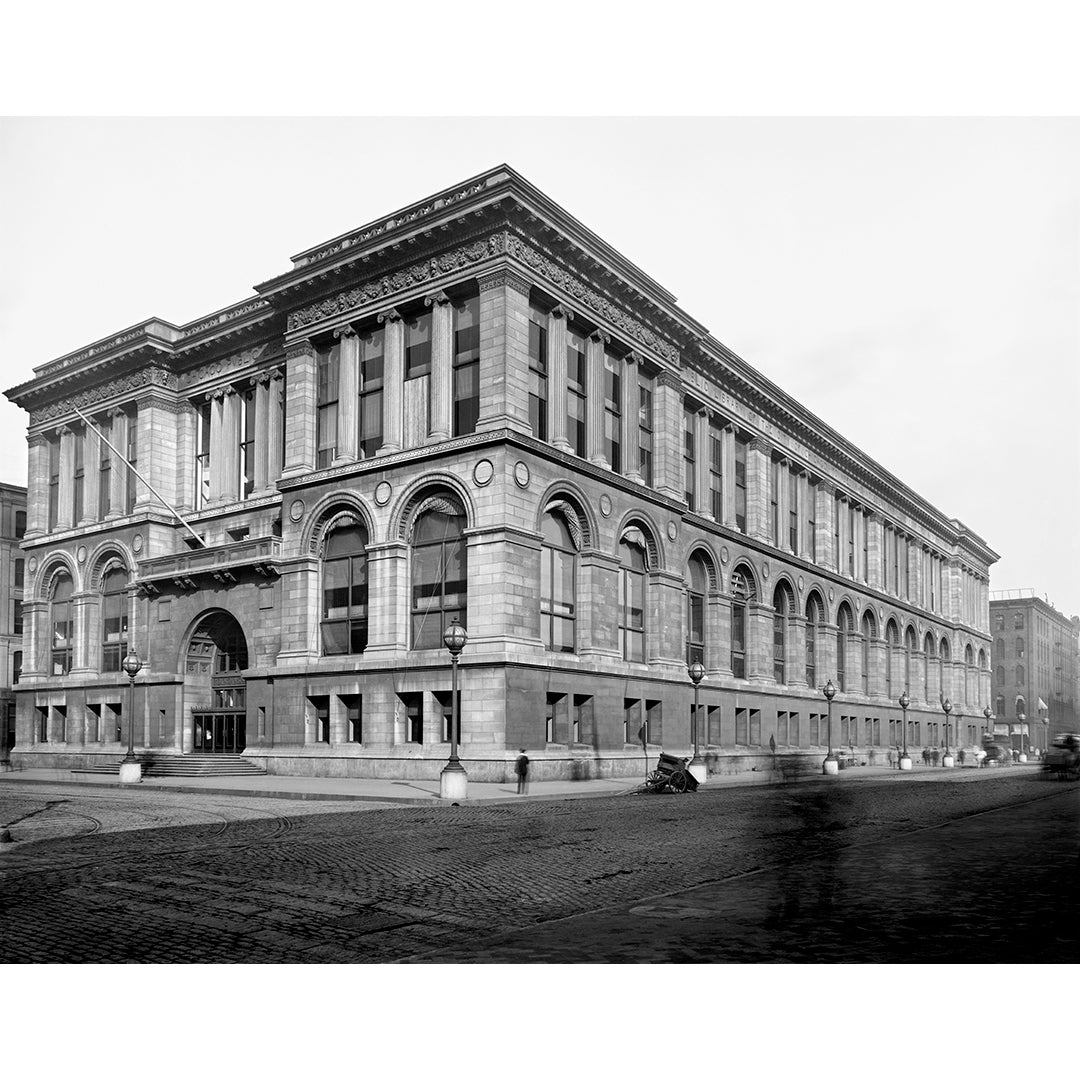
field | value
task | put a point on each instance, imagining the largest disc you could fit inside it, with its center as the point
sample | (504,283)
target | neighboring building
(1036,659)
(12,574)
(475,409)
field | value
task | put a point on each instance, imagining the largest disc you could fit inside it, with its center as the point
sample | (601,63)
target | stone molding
(89,400)
(504,276)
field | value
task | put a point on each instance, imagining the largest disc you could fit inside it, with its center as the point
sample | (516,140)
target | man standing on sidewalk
(521,767)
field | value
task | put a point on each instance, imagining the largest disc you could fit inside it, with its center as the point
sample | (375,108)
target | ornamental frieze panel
(91,351)
(221,366)
(390,284)
(590,298)
(91,399)
(233,313)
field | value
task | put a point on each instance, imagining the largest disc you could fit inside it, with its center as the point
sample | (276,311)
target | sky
(915,283)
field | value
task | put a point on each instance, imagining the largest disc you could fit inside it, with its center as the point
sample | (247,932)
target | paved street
(965,866)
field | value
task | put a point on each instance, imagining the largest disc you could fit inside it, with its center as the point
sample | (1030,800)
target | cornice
(504,276)
(91,399)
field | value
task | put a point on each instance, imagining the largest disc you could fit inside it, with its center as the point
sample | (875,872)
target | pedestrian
(926,755)
(521,767)
(890,757)
(934,756)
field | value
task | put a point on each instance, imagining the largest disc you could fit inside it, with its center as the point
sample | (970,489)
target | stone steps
(186,765)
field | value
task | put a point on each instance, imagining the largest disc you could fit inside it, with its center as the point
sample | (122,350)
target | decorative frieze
(222,366)
(230,315)
(88,400)
(391,284)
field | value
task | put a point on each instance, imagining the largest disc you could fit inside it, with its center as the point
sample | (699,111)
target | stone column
(723,637)
(757,490)
(853,657)
(301,406)
(118,471)
(504,352)
(701,464)
(668,435)
(594,398)
(66,501)
(874,548)
(37,495)
(158,452)
(217,445)
(806,539)
(186,424)
(441,412)
(557,320)
(91,458)
(84,607)
(348,408)
(393,381)
(261,385)
(230,446)
(631,418)
(727,451)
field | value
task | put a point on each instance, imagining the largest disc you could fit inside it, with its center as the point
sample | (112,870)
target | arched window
(1018,621)
(558,577)
(345,591)
(844,630)
(439,573)
(1019,674)
(1000,674)
(868,631)
(999,705)
(1019,648)
(928,648)
(999,648)
(943,658)
(743,590)
(813,624)
(892,646)
(63,630)
(910,648)
(632,596)
(114,620)
(695,610)
(783,606)
(969,665)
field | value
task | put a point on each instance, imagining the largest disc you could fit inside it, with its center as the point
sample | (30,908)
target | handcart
(670,776)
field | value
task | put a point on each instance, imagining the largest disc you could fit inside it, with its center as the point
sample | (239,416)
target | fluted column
(275,417)
(230,446)
(557,320)
(631,417)
(261,384)
(118,470)
(727,452)
(701,464)
(594,398)
(442,366)
(806,539)
(393,381)
(91,453)
(66,500)
(348,407)
(301,408)
(37,495)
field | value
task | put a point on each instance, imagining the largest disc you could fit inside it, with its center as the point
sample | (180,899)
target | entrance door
(219,731)
(216,658)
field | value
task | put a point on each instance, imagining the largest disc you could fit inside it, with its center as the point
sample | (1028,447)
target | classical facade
(1036,668)
(471,409)
(12,576)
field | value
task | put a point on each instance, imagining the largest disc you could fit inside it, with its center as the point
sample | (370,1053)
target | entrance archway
(214,686)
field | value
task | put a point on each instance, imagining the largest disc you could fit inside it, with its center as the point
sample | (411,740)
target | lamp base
(947,762)
(905,763)
(453,782)
(698,770)
(1022,759)
(130,772)
(830,767)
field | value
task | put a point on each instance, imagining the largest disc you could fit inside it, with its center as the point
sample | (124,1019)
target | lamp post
(698,768)
(946,759)
(830,766)
(454,781)
(1021,717)
(905,701)
(130,769)
(988,714)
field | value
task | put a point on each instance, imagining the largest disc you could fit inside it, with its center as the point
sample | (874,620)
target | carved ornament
(222,365)
(503,276)
(88,400)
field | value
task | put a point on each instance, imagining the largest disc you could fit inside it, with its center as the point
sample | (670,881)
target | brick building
(12,574)
(473,408)
(1036,662)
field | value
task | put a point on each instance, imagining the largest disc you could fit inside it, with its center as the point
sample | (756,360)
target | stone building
(1036,668)
(473,408)
(12,575)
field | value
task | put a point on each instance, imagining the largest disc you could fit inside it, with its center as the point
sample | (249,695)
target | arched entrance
(214,688)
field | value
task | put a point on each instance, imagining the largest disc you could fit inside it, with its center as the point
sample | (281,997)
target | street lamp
(454,781)
(905,701)
(830,767)
(698,768)
(1021,717)
(130,769)
(946,760)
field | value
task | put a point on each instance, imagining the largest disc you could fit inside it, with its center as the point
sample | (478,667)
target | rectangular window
(354,725)
(613,366)
(20,524)
(538,371)
(20,573)
(247,443)
(133,458)
(43,723)
(583,730)
(714,733)
(716,472)
(741,444)
(17,616)
(645,429)
(755,727)
(54,481)
(654,717)
(742,732)
(16,665)
(78,483)
(576,391)
(815,737)
(877,731)
(851,540)
(793,729)
(414,717)
(689,458)
(781,729)
(811,520)
(418,346)
(793,511)
(104,469)
(320,717)
(371,391)
(865,523)
(466,365)
(555,718)
(445,698)
(837,510)
(328,374)
(202,455)
(632,721)
(738,641)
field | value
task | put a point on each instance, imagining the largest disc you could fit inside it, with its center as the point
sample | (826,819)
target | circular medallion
(383,491)
(605,505)
(521,474)
(802,584)
(80,554)
(32,564)
(296,509)
(831,595)
(136,543)
(765,570)
(483,472)
(724,556)
(672,530)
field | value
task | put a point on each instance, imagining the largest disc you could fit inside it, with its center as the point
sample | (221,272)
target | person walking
(521,767)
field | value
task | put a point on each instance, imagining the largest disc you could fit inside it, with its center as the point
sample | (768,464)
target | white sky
(915,283)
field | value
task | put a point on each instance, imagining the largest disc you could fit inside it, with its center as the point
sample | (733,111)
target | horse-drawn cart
(670,776)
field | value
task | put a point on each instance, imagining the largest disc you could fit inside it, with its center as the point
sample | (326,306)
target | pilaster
(348,407)
(557,374)
(631,417)
(701,464)
(504,353)
(37,494)
(668,435)
(442,366)
(66,503)
(825,510)
(393,381)
(301,407)
(594,398)
(758,455)
(118,471)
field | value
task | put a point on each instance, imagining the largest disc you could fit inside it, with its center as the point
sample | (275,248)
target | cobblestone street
(865,865)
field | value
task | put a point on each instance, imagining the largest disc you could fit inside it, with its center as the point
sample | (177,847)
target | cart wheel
(678,782)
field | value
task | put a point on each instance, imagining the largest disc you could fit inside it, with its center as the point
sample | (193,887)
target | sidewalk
(426,792)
